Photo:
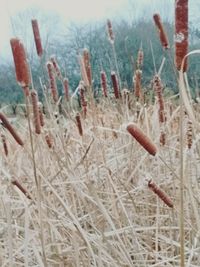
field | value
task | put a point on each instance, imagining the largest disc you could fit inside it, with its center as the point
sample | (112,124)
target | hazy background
(66,27)
(79,11)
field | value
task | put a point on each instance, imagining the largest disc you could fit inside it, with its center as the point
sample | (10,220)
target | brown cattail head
(140,58)
(66,88)
(82,98)
(161,194)
(21,64)
(111,36)
(56,67)
(52,81)
(115,84)
(104,83)
(41,116)
(137,84)
(21,188)
(142,138)
(36,113)
(79,125)
(5,146)
(181,33)
(189,134)
(49,140)
(36,33)
(12,131)
(163,37)
(158,87)
(86,60)
(162,138)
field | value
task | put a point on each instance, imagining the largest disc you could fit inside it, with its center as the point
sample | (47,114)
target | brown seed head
(181,33)
(142,138)
(37,37)
(21,65)
(115,84)
(12,131)
(161,194)
(163,37)
(110,31)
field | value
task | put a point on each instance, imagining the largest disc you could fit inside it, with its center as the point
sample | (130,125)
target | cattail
(181,33)
(21,64)
(161,194)
(137,83)
(36,113)
(115,84)
(189,134)
(83,71)
(104,83)
(41,116)
(49,140)
(21,188)
(111,36)
(79,125)
(158,87)
(163,37)
(52,81)
(140,58)
(66,88)
(37,37)
(56,67)
(86,60)
(162,138)
(5,146)
(82,98)
(141,138)
(9,127)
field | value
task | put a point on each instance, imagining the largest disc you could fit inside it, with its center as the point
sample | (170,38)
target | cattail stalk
(21,64)
(37,38)
(104,83)
(5,146)
(163,36)
(142,138)
(36,113)
(52,81)
(79,124)
(21,188)
(181,33)
(12,131)
(115,85)
(161,194)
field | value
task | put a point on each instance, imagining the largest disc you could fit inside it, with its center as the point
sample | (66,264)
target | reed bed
(112,182)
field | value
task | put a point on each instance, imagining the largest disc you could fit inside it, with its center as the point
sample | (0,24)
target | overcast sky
(83,10)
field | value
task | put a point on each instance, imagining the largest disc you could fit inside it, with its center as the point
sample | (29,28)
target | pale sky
(82,11)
